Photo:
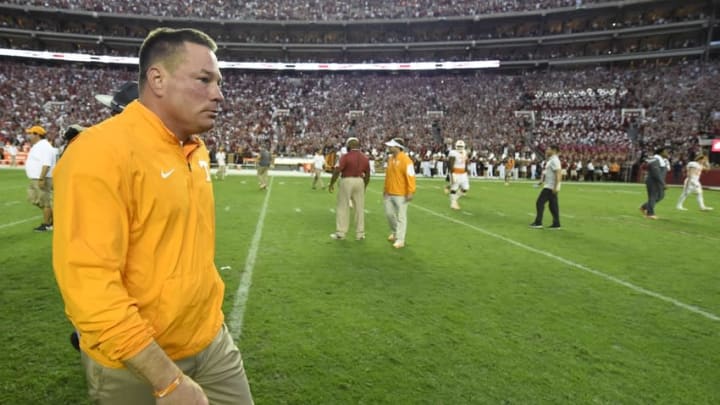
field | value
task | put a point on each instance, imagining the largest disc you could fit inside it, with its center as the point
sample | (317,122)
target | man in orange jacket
(134,241)
(399,191)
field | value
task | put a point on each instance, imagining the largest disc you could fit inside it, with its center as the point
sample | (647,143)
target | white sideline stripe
(22,221)
(598,273)
(241,295)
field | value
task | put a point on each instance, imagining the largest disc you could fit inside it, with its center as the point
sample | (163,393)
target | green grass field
(477,309)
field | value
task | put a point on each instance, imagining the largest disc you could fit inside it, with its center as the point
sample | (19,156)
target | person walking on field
(134,239)
(354,168)
(692,183)
(655,182)
(265,160)
(551,179)
(221,159)
(318,168)
(459,181)
(399,190)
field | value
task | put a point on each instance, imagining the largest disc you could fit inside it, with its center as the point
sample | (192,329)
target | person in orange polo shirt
(509,167)
(134,239)
(399,191)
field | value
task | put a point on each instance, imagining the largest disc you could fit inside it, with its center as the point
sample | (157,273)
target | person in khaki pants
(398,191)
(354,168)
(134,239)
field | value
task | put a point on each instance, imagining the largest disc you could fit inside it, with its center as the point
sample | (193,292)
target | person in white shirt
(12,151)
(221,159)
(551,177)
(38,167)
(692,183)
(459,181)
(472,166)
(318,168)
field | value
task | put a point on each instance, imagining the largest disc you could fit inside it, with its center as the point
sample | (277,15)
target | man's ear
(156,79)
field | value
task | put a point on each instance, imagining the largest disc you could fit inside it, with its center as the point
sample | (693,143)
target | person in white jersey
(692,183)
(459,181)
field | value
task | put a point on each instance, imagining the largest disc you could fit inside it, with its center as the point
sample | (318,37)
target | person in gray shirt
(655,181)
(264,163)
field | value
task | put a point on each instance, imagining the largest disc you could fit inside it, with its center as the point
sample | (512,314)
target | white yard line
(235,321)
(578,266)
(22,221)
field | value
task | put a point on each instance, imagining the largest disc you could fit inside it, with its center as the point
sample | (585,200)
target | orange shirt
(134,239)
(510,164)
(400,175)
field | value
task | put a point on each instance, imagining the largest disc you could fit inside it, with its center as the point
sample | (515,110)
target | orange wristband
(170,388)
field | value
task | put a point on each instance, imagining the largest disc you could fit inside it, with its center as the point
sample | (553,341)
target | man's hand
(187,393)
(331,187)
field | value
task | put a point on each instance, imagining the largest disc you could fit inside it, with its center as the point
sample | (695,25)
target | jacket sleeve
(410,176)
(90,245)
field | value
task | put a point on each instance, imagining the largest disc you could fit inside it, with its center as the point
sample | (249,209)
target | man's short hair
(166,45)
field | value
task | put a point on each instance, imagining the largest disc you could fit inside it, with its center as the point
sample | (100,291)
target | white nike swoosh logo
(165,175)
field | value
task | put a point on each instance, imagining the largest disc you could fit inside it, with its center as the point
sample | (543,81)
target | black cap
(122,97)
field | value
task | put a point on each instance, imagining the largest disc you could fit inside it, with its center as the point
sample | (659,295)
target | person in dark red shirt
(354,168)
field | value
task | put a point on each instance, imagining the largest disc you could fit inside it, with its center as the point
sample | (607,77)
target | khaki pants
(40,196)
(396,213)
(317,178)
(218,370)
(262,174)
(351,188)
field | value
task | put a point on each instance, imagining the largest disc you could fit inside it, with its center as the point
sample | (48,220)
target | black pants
(655,192)
(547,195)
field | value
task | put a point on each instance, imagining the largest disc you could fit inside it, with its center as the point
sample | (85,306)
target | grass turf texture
(478,308)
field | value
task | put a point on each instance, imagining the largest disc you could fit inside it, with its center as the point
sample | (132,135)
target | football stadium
(360,202)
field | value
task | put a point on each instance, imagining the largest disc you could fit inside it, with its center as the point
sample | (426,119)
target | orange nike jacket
(134,239)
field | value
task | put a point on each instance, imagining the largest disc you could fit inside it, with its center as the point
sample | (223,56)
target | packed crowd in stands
(298,114)
(365,34)
(308,9)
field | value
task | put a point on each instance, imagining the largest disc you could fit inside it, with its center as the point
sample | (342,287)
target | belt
(351,177)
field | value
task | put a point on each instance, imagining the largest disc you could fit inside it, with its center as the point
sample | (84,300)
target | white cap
(460,144)
(395,143)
